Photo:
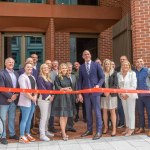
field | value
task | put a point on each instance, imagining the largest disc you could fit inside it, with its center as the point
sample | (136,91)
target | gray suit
(53,75)
(74,87)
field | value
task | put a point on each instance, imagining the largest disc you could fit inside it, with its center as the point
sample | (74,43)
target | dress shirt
(13,77)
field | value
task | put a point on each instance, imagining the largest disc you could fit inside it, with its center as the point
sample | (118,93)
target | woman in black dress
(63,106)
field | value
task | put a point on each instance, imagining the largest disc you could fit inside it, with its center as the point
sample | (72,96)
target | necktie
(88,68)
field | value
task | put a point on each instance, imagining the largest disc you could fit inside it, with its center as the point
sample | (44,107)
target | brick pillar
(62,46)
(105,44)
(141,32)
(49,41)
(140,11)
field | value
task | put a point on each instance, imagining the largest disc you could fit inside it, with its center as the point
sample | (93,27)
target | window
(78,2)
(25,1)
(35,40)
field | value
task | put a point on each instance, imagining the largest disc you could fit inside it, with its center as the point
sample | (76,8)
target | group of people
(52,76)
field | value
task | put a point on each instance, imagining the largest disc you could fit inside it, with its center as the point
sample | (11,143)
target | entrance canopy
(67,18)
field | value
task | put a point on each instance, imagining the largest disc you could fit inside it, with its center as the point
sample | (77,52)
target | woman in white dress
(109,100)
(127,80)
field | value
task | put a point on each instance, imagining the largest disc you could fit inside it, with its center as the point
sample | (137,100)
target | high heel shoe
(105,131)
(65,138)
(113,134)
(125,132)
(130,132)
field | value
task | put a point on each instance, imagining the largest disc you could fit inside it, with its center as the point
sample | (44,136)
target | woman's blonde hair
(126,61)
(104,62)
(60,72)
(46,77)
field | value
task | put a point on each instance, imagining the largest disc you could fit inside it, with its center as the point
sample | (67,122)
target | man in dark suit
(70,122)
(36,66)
(91,76)
(8,100)
(53,74)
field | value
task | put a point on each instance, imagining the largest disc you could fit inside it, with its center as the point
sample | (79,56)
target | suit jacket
(5,81)
(53,75)
(95,77)
(25,83)
(113,83)
(129,82)
(44,85)
(73,81)
(38,68)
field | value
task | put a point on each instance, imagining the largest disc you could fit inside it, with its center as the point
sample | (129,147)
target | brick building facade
(57,41)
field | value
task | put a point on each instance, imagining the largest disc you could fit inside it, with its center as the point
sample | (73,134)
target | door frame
(23,44)
(84,35)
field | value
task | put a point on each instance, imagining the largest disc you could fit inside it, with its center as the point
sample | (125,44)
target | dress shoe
(148,133)
(87,133)
(140,130)
(53,130)
(34,132)
(97,136)
(120,125)
(71,129)
(4,141)
(84,120)
(15,137)
(76,119)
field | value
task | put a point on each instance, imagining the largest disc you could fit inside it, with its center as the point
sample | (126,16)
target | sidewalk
(135,142)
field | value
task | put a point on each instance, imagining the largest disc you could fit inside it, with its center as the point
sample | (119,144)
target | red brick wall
(141,30)
(62,46)
(110,3)
(126,7)
(141,35)
(105,40)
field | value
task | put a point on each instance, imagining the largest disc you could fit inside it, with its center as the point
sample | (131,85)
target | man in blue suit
(91,76)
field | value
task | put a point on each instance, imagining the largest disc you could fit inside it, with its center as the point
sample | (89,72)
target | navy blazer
(38,68)
(95,77)
(44,85)
(5,81)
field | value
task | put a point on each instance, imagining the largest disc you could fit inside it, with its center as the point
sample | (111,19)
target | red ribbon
(92,90)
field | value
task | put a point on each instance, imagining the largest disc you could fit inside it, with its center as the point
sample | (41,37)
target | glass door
(12,48)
